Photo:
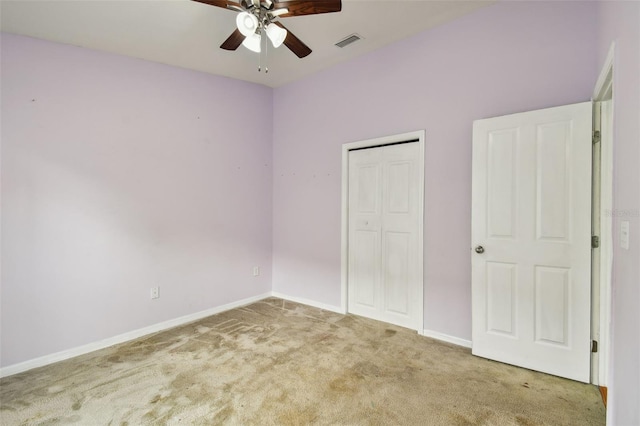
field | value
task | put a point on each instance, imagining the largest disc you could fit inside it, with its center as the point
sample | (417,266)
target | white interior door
(384,227)
(531,236)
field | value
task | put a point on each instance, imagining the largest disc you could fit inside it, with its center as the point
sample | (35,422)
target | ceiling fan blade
(220,3)
(294,43)
(307,7)
(234,41)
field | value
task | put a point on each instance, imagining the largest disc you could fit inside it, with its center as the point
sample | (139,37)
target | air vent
(348,40)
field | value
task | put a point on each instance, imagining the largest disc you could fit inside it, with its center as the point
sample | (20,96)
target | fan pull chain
(260,57)
(266,54)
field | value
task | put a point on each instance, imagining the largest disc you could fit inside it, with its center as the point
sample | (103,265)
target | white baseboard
(446,338)
(309,302)
(125,337)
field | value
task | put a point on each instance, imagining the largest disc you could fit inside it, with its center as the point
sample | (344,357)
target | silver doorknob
(480,249)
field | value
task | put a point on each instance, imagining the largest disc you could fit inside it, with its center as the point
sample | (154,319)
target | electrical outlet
(155,292)
(256,271)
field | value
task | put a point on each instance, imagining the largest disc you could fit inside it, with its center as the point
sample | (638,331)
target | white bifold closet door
(384,278)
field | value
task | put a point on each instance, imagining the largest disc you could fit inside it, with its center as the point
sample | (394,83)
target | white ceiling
(187,34)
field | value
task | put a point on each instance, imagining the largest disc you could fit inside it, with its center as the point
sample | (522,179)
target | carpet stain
(347,383)
(366,369)
(298,417)
(523,421)
(458,419)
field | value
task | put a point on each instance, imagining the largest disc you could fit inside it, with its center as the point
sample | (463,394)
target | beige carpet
(281,363)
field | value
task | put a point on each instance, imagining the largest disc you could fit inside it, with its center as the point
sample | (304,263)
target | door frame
(415,137)
(601,285)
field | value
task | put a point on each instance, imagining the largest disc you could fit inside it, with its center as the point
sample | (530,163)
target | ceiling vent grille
(348,40)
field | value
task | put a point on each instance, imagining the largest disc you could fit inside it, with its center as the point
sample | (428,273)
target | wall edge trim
(447,338)
(308,302)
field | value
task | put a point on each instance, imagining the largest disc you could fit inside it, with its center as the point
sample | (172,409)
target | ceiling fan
(256,17)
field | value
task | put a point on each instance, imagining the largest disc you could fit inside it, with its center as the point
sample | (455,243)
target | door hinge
(595,241)
(594,346)
(596,137)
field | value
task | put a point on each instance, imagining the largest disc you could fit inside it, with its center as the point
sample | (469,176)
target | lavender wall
(119,175)
(511,57)
(620,22)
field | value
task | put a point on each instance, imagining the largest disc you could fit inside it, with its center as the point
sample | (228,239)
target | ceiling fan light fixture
(276,34)
(247,23)
(278,12)
(252,42)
